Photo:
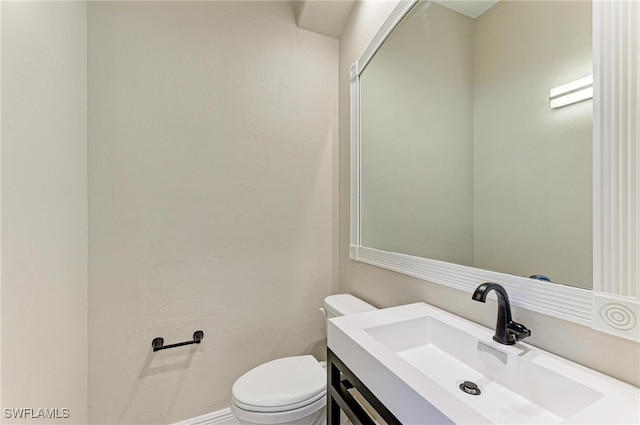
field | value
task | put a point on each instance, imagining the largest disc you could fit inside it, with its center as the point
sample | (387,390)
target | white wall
(212,141)
(614,356)
(44,208)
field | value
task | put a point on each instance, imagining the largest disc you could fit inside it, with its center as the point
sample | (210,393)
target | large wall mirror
(478,154)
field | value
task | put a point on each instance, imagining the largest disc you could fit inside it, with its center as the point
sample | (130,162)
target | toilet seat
(313,413)
(284,408)
(281,385)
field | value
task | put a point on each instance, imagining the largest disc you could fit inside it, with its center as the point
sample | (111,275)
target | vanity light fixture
(573,92)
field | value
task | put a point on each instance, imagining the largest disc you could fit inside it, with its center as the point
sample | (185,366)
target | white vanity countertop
(413,358)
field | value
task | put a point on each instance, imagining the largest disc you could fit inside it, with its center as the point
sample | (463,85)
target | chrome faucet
(508,332)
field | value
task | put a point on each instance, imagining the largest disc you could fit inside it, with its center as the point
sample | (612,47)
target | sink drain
(470,388)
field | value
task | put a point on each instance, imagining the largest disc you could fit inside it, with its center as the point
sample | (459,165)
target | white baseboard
(223,416)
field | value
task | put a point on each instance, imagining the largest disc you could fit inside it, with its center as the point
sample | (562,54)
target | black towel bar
(158,343)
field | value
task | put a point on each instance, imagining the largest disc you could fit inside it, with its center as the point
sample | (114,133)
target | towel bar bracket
(158,343)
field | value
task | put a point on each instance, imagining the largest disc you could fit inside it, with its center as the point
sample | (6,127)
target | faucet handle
(518,330)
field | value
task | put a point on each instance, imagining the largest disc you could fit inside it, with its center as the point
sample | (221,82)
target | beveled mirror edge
(613,306)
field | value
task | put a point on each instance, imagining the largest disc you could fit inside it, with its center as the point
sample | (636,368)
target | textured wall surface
(614,356)
(44,210)
(212,141)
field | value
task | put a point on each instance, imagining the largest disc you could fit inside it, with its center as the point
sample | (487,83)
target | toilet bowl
(290,390)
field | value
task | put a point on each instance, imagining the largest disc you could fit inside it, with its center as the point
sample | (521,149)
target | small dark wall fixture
(158,343)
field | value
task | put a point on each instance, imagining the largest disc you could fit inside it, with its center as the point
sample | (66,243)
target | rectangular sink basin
(415,358)
(449,356)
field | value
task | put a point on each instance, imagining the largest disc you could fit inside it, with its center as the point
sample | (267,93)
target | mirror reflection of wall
(462,158)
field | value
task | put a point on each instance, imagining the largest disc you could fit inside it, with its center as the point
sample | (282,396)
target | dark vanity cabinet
(341,386)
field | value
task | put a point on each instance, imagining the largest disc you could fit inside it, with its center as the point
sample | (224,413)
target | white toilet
(290,390)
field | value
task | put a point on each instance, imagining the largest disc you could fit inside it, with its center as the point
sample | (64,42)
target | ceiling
(322,16)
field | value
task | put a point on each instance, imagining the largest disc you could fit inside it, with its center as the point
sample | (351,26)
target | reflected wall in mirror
(462,158)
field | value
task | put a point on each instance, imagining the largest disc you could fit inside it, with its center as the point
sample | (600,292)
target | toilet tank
(344,304)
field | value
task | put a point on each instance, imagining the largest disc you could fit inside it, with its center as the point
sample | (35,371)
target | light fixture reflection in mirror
(570,93)
(462,158)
